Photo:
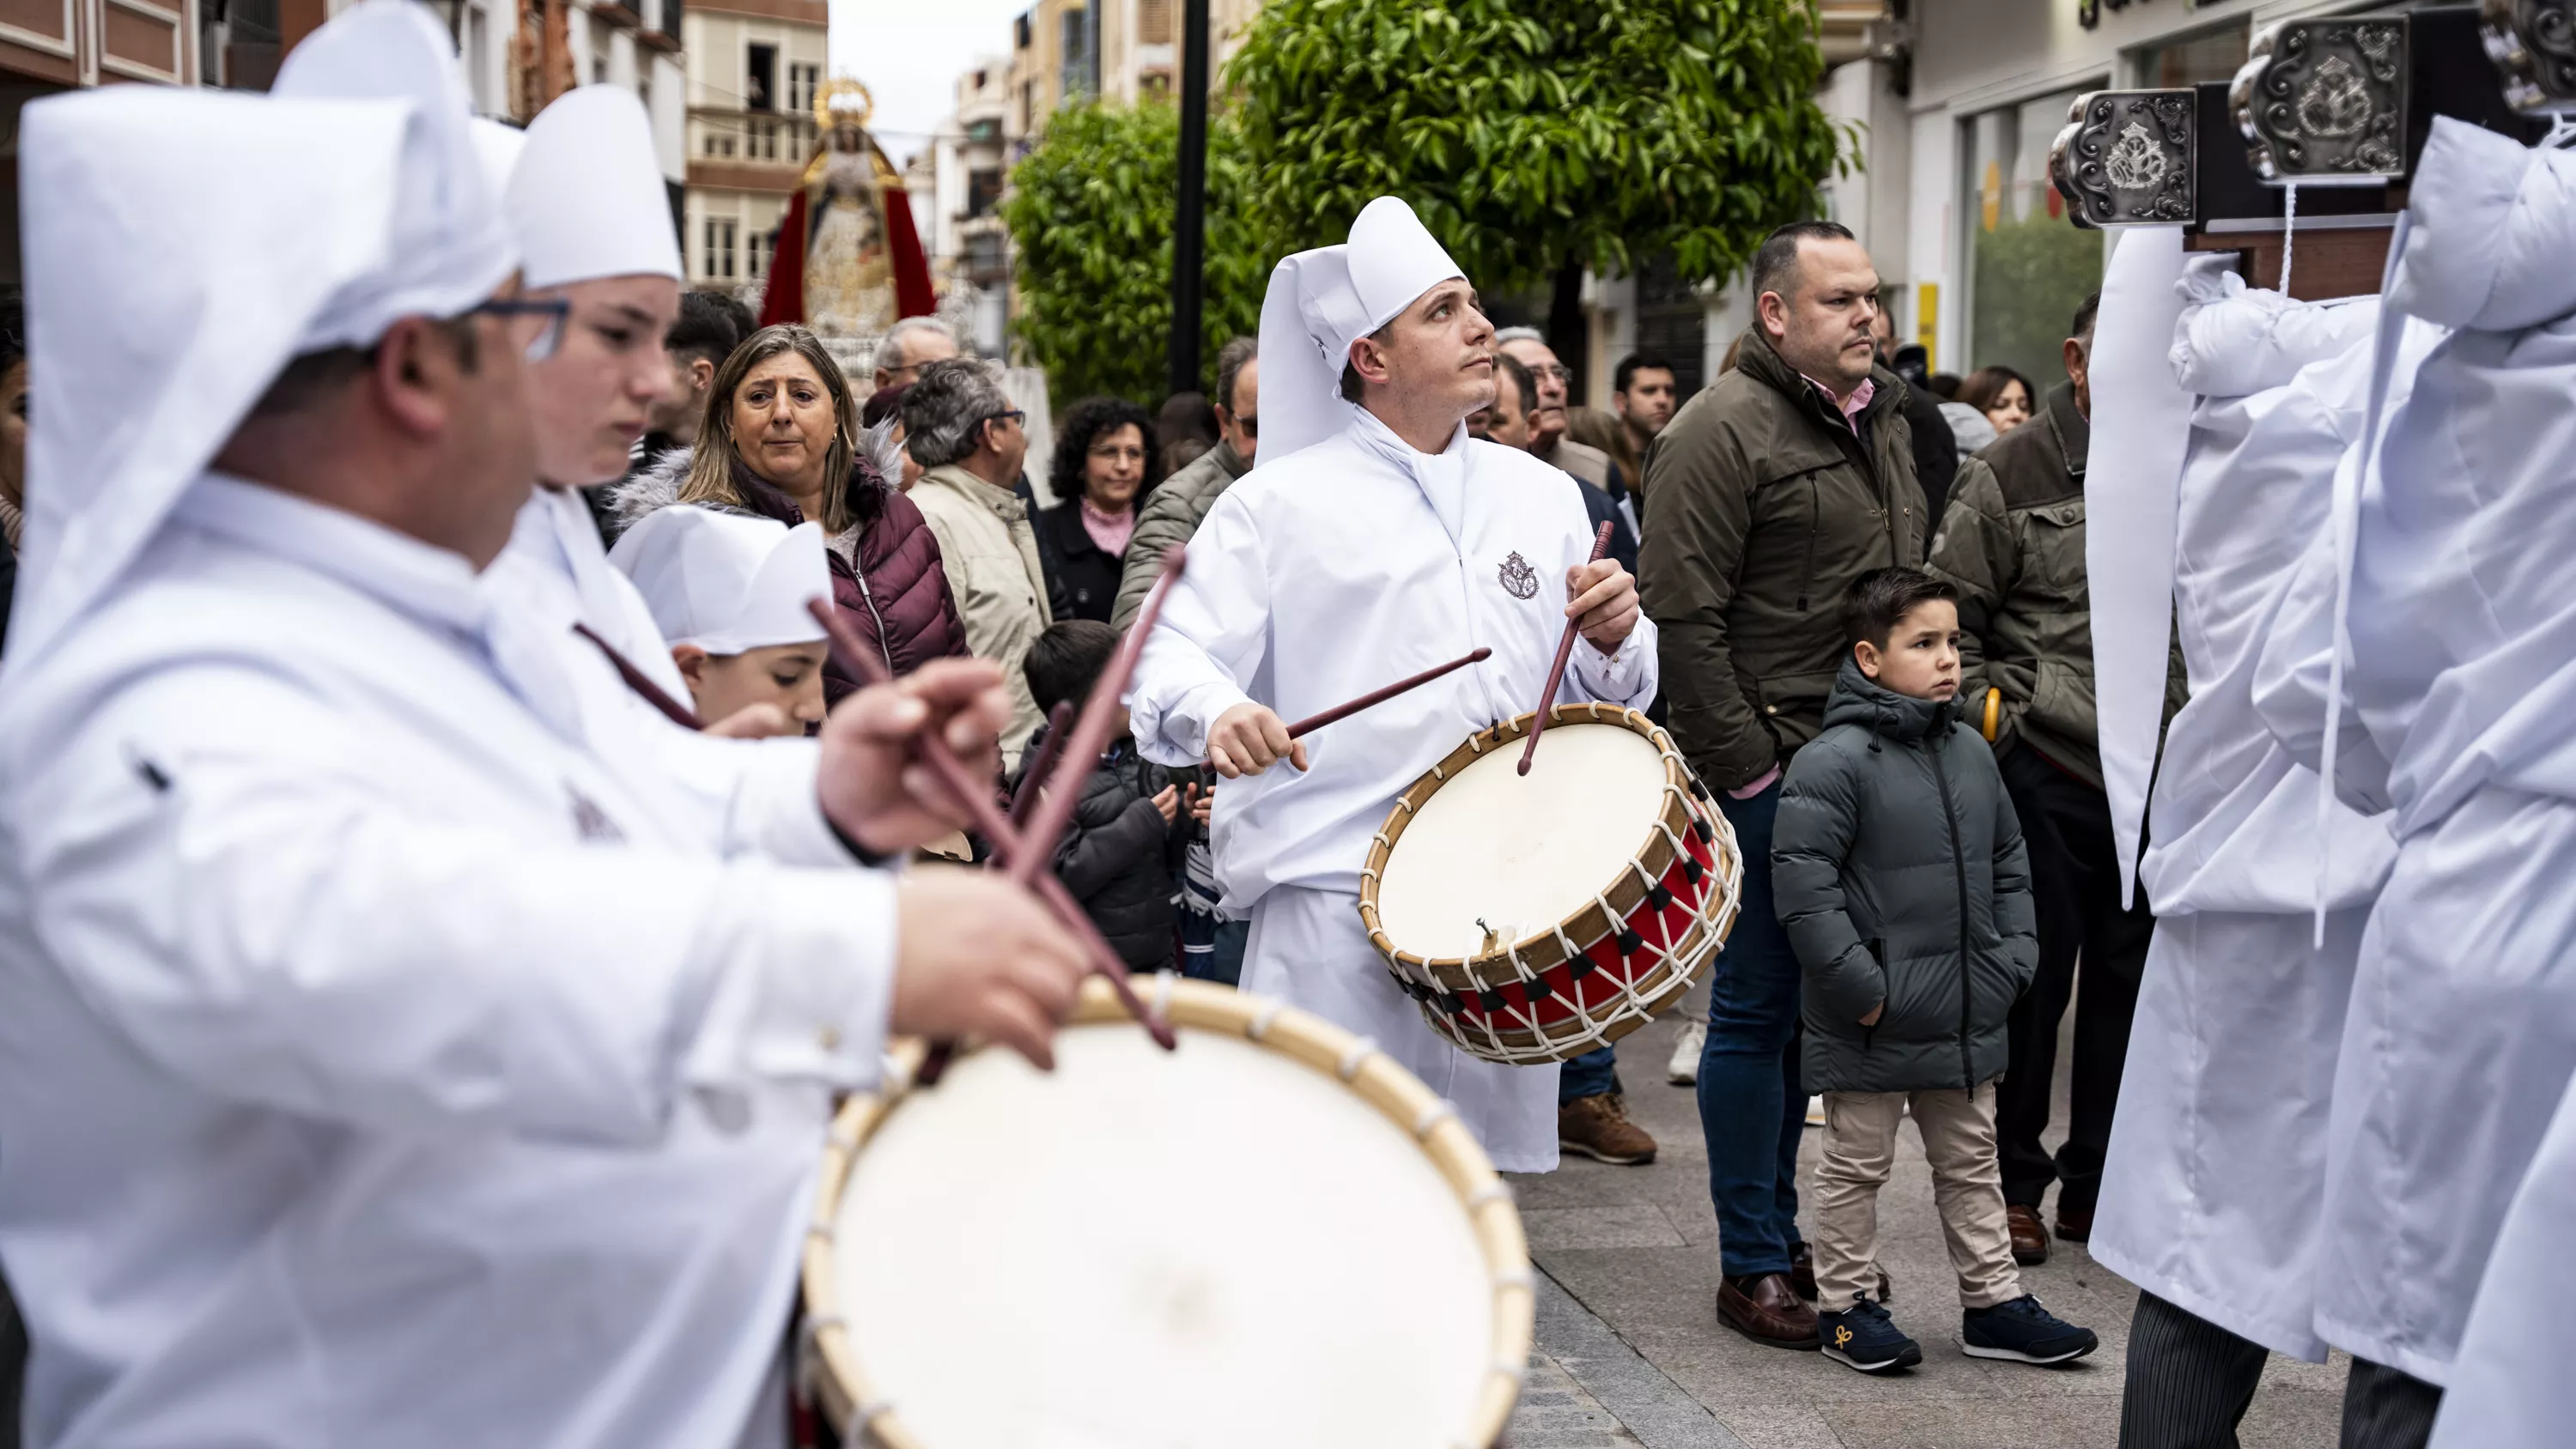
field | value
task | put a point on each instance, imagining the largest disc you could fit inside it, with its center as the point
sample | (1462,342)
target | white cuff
(808,999)
(779,808)
(1180,736)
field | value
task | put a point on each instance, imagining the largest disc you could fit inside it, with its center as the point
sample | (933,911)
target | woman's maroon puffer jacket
(897,597)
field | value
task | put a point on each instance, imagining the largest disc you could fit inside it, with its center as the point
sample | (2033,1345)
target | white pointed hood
(724,582)
(1322,301)
(181,246)
(586,197)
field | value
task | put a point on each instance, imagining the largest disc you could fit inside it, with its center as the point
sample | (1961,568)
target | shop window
(2029,266)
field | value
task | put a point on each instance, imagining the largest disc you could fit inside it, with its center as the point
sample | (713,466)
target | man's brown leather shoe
(1766,1310)
(2029,1239)
(1598,1127)
(2074,1227)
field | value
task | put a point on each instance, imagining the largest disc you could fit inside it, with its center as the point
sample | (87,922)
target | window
(478,48)
(719,140)
(644,82)
(756,253)
(599,70)
(983,188)
(760,79)
(802,82)
(2212,55)
(1020,36)
(984,132)
(2028,265)
(1153,22)
(719,249)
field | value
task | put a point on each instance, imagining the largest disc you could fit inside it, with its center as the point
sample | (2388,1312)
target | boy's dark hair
(1637,362)
(1881,597)
(1067,659)
(709,326)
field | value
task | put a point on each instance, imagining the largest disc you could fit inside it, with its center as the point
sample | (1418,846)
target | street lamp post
(1189,219)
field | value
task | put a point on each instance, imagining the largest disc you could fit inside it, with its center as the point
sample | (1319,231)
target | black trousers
(2075,884)
(2190,1381)
(2386,1408)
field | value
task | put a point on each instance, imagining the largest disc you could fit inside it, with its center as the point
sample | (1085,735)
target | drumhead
(1521,852)
(1221,1246)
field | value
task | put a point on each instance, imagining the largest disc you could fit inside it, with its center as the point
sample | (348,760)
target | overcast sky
(909,54)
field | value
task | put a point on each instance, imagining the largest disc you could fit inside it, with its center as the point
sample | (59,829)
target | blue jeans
(1751,1107)
(1589,1075)
(1220,958)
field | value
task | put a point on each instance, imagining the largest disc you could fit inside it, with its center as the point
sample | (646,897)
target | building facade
(754,68)
(1958,104)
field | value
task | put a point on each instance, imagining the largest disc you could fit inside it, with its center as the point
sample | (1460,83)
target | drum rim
(1353,1061)
(1686,800)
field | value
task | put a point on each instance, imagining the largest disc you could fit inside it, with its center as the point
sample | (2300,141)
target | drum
(1536,917)
(1271,1238)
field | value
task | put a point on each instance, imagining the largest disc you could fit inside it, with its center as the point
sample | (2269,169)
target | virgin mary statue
(848,262)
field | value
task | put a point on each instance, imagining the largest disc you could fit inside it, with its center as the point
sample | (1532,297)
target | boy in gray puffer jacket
(1898,869)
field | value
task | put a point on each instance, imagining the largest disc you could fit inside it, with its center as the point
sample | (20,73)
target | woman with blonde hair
(781,440)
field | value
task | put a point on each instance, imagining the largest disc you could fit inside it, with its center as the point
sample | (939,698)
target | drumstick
(1564,652)
(1059,720)
(934,752)
(1375,697)
(1091,732)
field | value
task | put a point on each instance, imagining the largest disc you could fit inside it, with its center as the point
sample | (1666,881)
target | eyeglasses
(1250,424)
(555,310)
(1014,414)
(1556,370)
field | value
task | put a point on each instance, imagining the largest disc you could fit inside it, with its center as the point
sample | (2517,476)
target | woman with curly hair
(1105,464)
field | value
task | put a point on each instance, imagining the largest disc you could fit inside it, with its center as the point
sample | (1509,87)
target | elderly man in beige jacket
(960,426)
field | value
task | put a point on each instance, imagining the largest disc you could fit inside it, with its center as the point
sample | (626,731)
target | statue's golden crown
(843,101)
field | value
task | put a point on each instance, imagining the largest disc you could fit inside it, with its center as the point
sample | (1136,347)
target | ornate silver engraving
(2126,158)
(2324,101)
(2533,42)
(2134,163)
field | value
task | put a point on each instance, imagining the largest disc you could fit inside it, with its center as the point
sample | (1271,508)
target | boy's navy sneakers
(2022,1330)
(1863,1337)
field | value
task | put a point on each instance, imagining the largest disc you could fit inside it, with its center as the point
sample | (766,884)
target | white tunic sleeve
(1627,677)
(2291,676)
(1211,639)
(214,868)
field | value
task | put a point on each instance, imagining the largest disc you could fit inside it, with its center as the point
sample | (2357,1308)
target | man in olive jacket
(1176,508)
(1775,489)
(2012,544)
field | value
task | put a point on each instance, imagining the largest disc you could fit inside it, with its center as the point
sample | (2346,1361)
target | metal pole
(1189,219)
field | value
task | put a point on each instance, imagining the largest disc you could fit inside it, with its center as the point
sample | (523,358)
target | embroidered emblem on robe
(1519,579)
(591,821)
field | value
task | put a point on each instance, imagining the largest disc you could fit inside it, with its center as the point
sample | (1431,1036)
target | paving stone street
(1630,1352)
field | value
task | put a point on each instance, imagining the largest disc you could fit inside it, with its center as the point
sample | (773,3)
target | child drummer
(1373,540)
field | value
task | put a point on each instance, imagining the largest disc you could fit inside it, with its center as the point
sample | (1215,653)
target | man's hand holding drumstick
(1249,739)
(1604,603)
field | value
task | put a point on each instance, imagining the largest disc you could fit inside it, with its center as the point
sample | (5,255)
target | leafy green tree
(1534,136)
(1090,214)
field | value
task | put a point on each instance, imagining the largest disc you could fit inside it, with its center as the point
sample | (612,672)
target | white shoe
(1684,1068)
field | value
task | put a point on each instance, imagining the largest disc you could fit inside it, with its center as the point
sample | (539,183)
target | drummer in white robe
(1374,540)
(380,1058)
(2229,420)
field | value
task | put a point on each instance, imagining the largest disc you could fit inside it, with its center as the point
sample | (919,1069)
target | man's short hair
(2082,331)
(1066,659)
(1775,262)
(945,413)
(1882,597)
(1354,386)
(893,345)
(1229,366)
(710,326)
(1520,334)
(1637,362)
(1524,382)
(313,376)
